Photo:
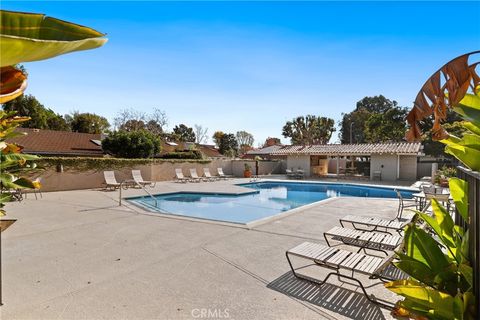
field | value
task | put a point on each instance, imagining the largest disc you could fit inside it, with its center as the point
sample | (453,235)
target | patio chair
(137,177)
(377,241)
(299,174)
(377,175)
(180,177)
(377,224)
(405,203)
(290,174)
(338,259)
(222,175)
(194,176)
(110,180)
(208,176)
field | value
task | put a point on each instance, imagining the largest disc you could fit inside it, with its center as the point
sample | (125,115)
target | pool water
(266,199)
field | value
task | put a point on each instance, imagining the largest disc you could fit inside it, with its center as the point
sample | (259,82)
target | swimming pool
(266,199)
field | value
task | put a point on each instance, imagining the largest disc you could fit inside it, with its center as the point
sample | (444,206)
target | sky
(249,66)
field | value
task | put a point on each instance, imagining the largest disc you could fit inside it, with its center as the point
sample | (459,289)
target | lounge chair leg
(339,275)
(326,240)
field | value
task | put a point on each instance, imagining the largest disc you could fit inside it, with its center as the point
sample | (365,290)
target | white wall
(408,168)
(389,163)
(301,161)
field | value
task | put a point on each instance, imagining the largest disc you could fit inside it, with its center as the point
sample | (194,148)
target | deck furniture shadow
(343,260)
(340,300)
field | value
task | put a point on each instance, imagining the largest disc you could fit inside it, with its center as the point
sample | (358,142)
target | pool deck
(78,255)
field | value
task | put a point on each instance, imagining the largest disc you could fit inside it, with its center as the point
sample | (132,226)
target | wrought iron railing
(473,224)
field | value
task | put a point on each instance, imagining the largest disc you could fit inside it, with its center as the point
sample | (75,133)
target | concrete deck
(78,255)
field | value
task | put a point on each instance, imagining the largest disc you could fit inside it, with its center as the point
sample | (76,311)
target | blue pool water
(266,199)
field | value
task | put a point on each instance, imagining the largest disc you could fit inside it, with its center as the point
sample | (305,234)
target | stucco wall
(302,162)
(408,167)
(71,180)
(264,167)
(389,163)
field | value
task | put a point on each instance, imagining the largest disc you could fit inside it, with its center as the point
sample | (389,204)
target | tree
(228,145)
(200,134)
(271,142)
(40,116)
(309,129)
(134,120)
(184,133)
(87,122)
(134,144)
(245,141)
(387,126)
(217,137)
(381,118)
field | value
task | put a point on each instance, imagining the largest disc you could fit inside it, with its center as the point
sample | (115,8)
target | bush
(134,144)
(192,154)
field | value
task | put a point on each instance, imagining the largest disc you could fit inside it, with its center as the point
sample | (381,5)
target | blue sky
(249,65)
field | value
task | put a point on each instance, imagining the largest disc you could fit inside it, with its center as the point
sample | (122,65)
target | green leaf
(5,197)
(473,127)
(415,269)
(459,192)
(24,183)
(438,304)
(420,246)
(31,37)
(469,108)
(467,272)
(468,155)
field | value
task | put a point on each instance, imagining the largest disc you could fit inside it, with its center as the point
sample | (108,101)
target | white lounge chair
(194,176)
(179,176)
(378,241)
(352,262)
(221,174)
(137,177)
(110,180)
(290,174)
(208,176)
(377,224)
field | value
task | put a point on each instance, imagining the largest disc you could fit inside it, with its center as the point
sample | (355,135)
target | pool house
(374,161)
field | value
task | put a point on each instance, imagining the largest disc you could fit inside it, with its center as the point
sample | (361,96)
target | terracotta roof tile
(351,149)
(64,143)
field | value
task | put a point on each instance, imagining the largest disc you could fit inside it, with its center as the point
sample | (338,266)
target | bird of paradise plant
(440,283)
(26,37)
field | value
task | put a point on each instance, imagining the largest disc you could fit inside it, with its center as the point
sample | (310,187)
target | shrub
(192,154)
(134,144)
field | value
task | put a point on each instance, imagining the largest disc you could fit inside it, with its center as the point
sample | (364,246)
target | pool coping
(148,211)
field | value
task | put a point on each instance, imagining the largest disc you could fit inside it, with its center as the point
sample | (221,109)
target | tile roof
(265,151)
(62,143)
(351,149)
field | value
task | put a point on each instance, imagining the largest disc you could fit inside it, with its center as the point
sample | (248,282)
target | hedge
(98,164)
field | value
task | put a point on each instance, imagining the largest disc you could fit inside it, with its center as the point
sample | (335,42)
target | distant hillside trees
(133,144)
(375,119)
(309,129)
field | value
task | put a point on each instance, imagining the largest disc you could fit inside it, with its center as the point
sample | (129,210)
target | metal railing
(125,182)
(473,224)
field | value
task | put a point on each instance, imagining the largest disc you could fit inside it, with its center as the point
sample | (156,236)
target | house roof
(265,151)
(62,143)
(404,148)
(209,150)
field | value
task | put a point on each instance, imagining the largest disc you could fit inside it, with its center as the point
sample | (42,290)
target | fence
(473,225)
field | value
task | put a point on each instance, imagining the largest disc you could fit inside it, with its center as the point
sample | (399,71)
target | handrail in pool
(138,184)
